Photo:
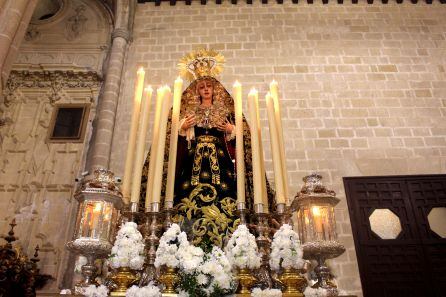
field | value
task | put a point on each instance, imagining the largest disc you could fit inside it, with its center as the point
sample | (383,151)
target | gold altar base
(293,281)
(124,278)
(246,281)
(169,279)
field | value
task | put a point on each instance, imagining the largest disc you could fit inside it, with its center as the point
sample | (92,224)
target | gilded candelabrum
(169,278)
(151,230)
(245,281)
(264,244)
(99,203)
(293,281)
(123,279)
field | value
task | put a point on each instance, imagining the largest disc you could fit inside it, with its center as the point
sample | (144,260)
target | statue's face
(205,89)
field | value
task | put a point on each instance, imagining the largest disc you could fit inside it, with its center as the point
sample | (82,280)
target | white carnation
(128,250)
(167,252)
(241,250)
(148,291)
(93,291)
(257,292)
(319,292)
(286,250)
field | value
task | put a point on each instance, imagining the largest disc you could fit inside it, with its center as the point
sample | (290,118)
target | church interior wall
(362,86)
(37,177)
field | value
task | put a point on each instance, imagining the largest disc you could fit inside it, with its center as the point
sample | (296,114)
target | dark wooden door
(414,263)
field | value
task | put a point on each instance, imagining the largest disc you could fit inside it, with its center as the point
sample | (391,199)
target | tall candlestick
(132,137)
(170,185)
(255,145)
(275,149)
(159,163)
(141,145)
(239,153)
(154,145)
(274,89)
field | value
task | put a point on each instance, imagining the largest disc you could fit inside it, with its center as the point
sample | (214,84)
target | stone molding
(121,32)
(53,80)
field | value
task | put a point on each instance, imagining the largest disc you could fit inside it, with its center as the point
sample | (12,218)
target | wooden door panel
(414,263)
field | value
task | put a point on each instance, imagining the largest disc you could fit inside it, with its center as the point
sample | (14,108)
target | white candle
(159,163)
(132,137)
(262,163)
(274,89)
(239,153)
(255,145)
(154,146)
(170,186)
(275,149)
(141,145)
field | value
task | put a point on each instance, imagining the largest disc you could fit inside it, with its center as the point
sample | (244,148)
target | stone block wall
(363,87)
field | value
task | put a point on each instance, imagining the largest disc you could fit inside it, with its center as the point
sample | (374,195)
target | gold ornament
(124,278)
(201,63)
(169,278)
(293,281)
(246,281)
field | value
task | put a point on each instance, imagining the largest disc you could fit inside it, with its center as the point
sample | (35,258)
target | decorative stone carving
(36,177)
(53,80)
(32,33)
(121,32)
(76,24)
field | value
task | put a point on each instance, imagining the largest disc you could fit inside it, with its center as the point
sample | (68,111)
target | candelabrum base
(293,281)
(169,278)
(124,278)
(245,281)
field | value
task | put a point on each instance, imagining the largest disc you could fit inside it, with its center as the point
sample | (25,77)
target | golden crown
(201,63)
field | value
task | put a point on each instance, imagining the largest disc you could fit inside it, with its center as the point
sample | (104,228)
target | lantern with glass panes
(317,227)
(99,204)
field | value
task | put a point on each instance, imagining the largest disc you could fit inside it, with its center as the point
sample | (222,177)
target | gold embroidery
(213,221)
(206,148)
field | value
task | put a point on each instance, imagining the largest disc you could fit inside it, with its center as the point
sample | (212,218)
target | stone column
(108,102)
(14,19)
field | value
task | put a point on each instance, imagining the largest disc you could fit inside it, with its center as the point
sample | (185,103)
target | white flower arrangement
(257,292)
(93,291)
(286,250)
(319,292)
(215,272)
(167,252)
(148,291)
(65,292)
(128,250)
(190,257)
(242,250)
(199,272)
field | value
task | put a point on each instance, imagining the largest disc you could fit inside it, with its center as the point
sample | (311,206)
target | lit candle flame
(316,211)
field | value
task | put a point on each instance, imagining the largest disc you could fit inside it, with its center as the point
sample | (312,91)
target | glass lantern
(99,204)
(317,227)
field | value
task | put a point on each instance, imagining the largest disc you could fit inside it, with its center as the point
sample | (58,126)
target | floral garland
(286,251)
(128,250)
(242,250)
(257,292)
(148,291)
(319,292)
(93,291)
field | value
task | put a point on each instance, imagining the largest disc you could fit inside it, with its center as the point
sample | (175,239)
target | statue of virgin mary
(205,180)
